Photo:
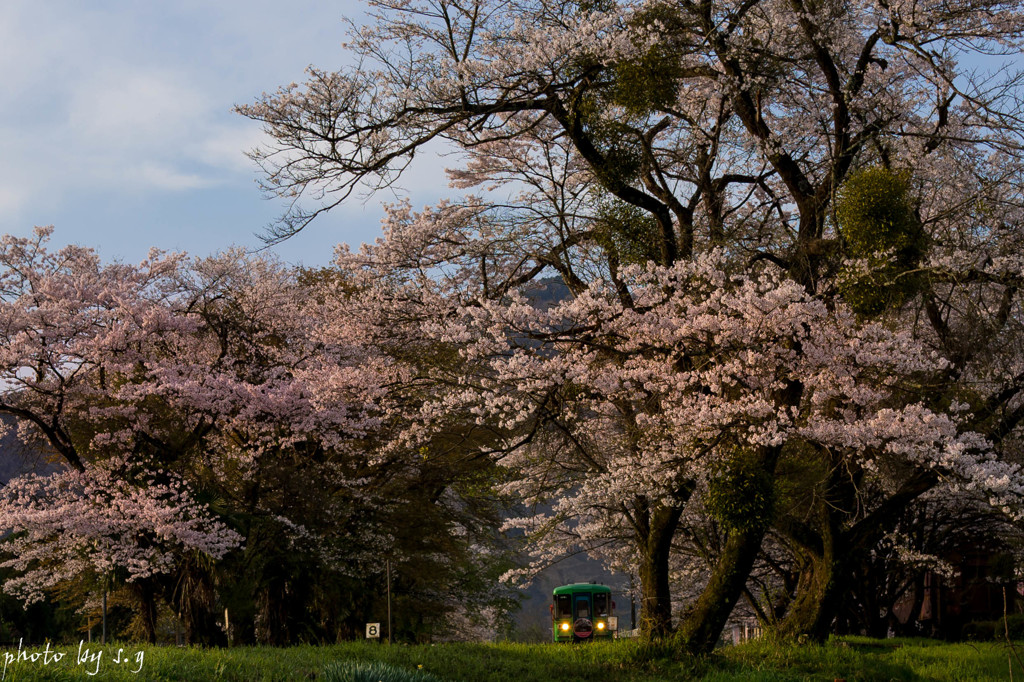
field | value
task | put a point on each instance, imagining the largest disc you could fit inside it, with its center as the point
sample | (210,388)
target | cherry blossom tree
(620,415)
(629,133)
(218,417)
(71,325)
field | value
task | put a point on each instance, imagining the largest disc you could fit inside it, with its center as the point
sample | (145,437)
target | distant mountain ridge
(544,293)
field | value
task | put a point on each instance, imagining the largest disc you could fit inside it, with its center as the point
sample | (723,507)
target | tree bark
(829,560)
(656,547)
(703,623)
(818,593)
(145,595)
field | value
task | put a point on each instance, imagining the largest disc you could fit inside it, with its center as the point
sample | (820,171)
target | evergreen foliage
(882,237)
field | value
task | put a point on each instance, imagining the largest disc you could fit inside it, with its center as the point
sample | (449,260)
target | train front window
(563,606)
(601,605)
(582,608)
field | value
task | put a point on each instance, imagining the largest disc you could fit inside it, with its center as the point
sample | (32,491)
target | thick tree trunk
(909,628)
(201,629)
(703,623)
(656,547)
(194,596)
(272,615)
(818,596)
(825,559)
(145,596)
(829,565)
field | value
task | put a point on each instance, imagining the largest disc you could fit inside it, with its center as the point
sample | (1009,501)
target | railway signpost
(373,631)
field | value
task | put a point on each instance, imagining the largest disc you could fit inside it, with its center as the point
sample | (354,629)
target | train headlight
(565,627)
(600,626)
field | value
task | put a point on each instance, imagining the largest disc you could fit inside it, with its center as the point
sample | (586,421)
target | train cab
(582,612)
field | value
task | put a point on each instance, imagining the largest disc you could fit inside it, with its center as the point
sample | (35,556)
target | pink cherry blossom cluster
(144,381)
(100,523)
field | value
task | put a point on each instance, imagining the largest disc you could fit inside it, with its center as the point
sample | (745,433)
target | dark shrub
(995,630)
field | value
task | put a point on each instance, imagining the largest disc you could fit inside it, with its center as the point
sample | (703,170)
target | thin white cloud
(136,110)
(225,146)
(116,108)
(108,99)
(152,129)
(12,199)
(166,178)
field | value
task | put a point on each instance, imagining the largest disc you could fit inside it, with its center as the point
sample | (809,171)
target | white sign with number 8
(372,630)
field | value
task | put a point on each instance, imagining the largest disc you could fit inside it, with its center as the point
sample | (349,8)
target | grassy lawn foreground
(849,659)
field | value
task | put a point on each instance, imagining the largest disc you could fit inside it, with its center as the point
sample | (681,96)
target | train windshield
(582,607)
(563,606)
(600,605)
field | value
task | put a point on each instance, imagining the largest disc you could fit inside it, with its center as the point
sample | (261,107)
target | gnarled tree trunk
(830,558)
(655,549)
(704,620)
(703,623)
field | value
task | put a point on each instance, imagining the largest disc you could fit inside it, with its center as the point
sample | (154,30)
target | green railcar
(582,612)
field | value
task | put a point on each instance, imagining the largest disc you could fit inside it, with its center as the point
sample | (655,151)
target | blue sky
(116,123)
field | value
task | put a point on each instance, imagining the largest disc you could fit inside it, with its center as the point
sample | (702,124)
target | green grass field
(848,659)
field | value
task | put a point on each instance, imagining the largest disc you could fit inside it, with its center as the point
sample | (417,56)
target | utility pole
(103,633)
(632,606)
(389,600)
